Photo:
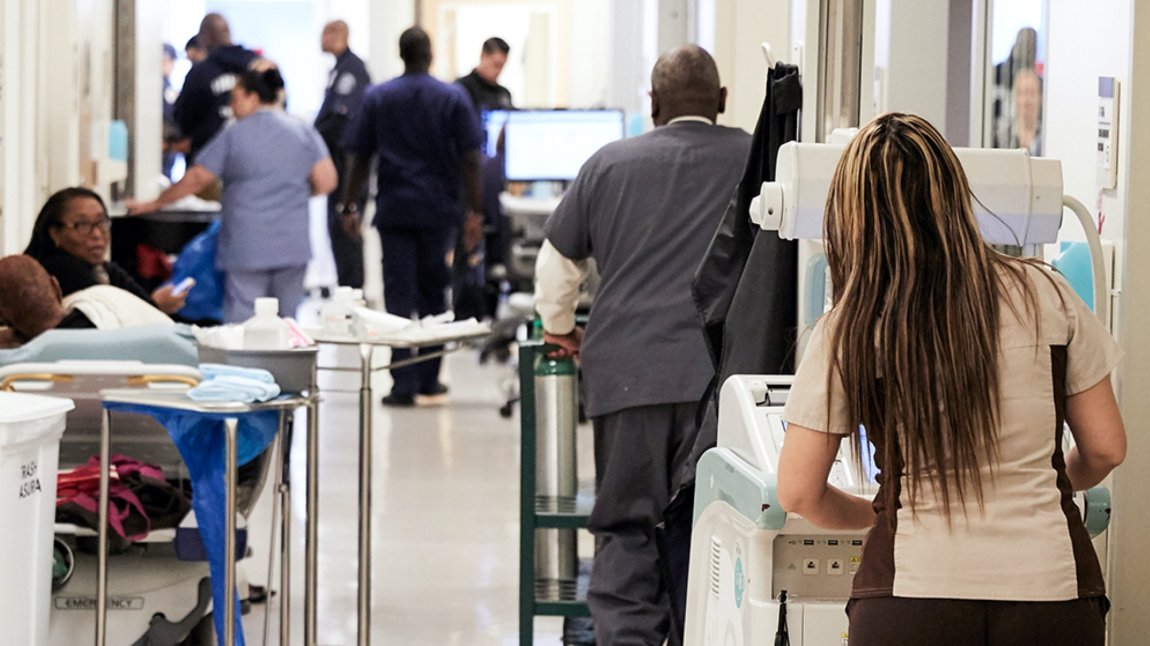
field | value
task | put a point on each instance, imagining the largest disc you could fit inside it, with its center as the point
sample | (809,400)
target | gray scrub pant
(639,453)
(242,288)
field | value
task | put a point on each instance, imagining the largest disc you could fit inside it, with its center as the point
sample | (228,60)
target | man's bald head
(334,39)
(214,31)
(30,301)
(685,81)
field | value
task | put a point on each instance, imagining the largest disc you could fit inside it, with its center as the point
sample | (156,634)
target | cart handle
(9,383)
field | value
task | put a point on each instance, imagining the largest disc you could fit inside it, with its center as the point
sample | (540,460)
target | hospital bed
(157,598)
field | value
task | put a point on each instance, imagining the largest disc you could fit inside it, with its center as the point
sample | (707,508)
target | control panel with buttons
(816,567)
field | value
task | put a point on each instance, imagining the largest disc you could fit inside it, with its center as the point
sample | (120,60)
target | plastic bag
(197,260)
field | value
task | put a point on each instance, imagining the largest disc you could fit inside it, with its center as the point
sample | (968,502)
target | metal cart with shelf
(539,596)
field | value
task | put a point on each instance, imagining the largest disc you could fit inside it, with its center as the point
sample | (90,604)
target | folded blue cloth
(212,370)
(234,389)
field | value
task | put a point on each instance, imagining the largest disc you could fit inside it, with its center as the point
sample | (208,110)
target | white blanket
(110,307)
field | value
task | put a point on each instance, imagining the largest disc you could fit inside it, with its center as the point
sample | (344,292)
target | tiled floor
(445,519)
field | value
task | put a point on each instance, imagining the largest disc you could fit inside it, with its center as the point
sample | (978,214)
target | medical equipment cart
(419,338)
(231,414)
(537,597)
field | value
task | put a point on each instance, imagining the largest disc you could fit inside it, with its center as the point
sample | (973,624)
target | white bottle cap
(342,294)
(267,306)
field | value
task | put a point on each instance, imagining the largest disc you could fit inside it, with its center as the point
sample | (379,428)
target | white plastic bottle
(336,313)
(266,330)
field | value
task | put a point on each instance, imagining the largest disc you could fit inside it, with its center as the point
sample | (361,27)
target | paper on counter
(372,325)
(442,332)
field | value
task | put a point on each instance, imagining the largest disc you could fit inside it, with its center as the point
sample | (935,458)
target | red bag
(152,264)
(78,494)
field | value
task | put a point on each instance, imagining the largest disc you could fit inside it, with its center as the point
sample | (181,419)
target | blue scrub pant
(415,280)
(242,288)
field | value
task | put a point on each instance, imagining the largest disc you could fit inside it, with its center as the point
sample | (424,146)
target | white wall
(590,65)
(387,21)
(1129,579)
(57,72)
(61,108)
(913,36)
(76,58)
(632,50)
(673,23)
(1083,44)
(740,27)
(22,178)
(146,140)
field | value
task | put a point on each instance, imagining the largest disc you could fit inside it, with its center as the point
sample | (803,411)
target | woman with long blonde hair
(962,364)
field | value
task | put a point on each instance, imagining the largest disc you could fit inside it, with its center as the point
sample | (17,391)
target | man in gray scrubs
(645,210)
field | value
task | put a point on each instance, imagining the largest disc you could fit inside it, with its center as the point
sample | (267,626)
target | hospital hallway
(445,516)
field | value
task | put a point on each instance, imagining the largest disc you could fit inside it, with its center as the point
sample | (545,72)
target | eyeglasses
(85,227)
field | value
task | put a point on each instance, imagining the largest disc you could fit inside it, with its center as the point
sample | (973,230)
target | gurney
(156,596)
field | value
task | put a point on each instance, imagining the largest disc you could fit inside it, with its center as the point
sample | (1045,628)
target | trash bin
(30,430)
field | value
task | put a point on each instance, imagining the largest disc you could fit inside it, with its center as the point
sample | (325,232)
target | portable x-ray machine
(757,572)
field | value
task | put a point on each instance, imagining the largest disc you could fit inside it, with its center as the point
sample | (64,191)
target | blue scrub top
(419,127)
(265,162)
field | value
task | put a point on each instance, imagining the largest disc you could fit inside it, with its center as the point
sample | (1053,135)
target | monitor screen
(493,123)
(551,144)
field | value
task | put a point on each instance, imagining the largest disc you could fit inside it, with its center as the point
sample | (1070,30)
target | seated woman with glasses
(70,238)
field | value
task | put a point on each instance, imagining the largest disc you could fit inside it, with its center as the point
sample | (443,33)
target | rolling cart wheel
(506,410)
(63,563)
(204,634)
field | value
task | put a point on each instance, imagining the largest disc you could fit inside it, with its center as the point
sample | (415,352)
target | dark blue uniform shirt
(205,102)
(419,128)
(341,101)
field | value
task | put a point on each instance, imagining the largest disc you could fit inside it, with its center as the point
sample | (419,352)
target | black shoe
(437,389)
(398,400)
(257,594)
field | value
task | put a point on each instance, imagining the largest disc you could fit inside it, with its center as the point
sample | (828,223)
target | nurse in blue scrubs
(270,164)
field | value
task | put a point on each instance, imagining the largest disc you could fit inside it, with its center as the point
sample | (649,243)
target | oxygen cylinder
(556,484)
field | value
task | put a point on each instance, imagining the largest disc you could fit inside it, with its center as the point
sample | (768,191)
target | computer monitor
(551,144)
(493,124)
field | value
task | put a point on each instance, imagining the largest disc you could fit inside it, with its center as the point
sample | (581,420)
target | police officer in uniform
(205,102)
(345,88)
(482,84)
(473,293)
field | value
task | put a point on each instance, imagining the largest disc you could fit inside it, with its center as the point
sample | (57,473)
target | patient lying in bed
(31,303)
